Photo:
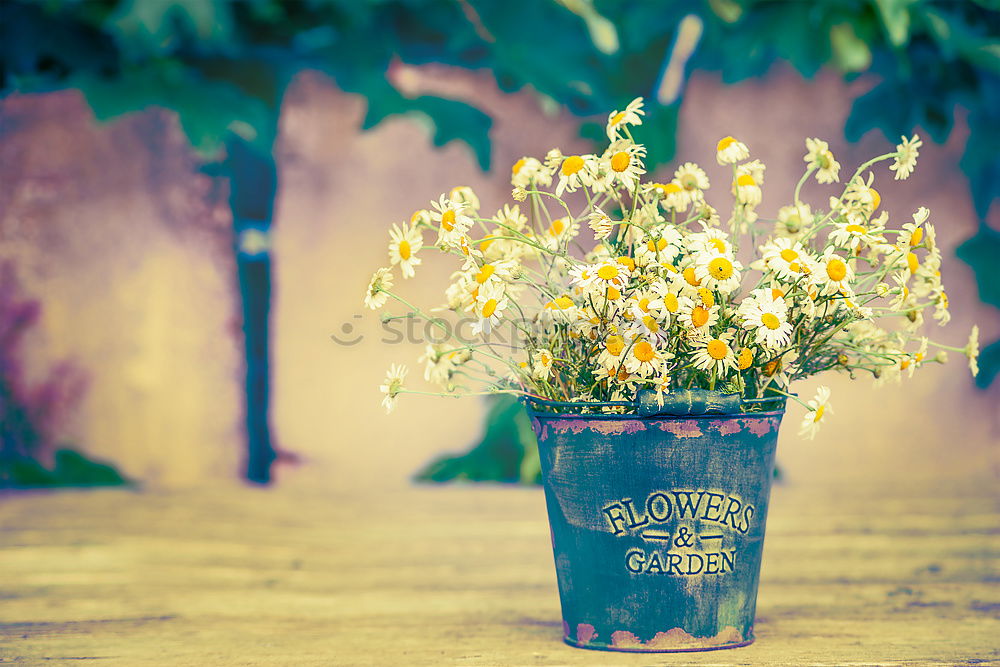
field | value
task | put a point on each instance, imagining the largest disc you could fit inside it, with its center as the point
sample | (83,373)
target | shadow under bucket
(657,526)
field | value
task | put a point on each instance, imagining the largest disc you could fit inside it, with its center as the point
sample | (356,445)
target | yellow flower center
(944,300)
(614,345)
(724,144)
(657,245)
(644,304)
(613,294)
(563,303)
(770,320)
(404,249)
(912,262)
(485,273)
(572,165)
(483,245)
(819,413)
(557,227)
(670,301)
(448,220)
(691,279)
(718,244)
(745,359)
(794,266)
(627,262)
(917,236)
(517,167)
(776,293)
(789,255)
(706,296)
(855,229)
(608,272)
(651,323)
(620,161)
(876,198)
(745,179)
(772,367)
(836,269)
(489,307)
(720,268)
(699,316)
(643,351)
(617,118)
(415,218)
(717,349)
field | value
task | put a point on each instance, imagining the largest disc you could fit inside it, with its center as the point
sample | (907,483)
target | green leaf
(208,110)
(896,19)
(989,365)
(850,52)
(450,119)
(982,252)
(152,27)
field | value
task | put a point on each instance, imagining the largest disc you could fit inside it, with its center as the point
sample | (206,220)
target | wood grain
(463,576)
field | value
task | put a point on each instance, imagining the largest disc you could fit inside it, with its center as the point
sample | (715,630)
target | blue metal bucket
(657,526)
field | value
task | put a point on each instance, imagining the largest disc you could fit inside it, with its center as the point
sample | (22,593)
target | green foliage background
(223,64)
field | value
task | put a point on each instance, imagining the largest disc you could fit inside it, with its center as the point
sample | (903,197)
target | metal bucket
(657,526)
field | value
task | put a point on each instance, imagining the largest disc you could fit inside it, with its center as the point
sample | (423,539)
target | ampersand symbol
(684,537)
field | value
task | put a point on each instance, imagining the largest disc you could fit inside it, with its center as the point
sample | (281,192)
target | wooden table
(852,575)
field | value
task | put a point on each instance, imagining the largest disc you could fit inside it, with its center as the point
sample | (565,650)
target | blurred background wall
(125,242)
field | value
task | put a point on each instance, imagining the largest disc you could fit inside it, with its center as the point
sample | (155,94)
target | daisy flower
(529,172)
(559,233)
(465,196)
(631,115)
(906,157)
(692,179)
(541,364)
(562,309)
(697,317)
(834,273)
(709,239)
(609,273)
(454,223)
(601,223)
(853,235)
(768,320)
(744,358)
(576,171)
(941,313)
(392,386)
(662,248)
(792,221)
(441,360)
(820,158)
(787,258)
(731,151)
(748,192)
(671,196)
(490,303)
(818,407)
(912,233)
(406,242)
(717,271)
(971,350)
(643,359)
(623,164)
(376,295)
(714,354)
(610,357)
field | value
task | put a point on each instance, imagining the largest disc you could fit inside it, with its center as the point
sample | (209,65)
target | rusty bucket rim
(529,405)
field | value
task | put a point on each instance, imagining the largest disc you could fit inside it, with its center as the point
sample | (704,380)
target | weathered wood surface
(463,576)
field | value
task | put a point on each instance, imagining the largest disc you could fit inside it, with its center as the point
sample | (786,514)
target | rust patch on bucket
(602,426)
(585,632)
(685,428)
(675,639)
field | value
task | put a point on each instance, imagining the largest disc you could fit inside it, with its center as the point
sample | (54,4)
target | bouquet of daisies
(614,284)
